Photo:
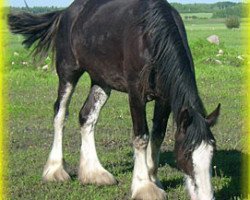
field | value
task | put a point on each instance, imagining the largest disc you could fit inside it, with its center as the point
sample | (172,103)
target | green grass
(204,28)
(199,15)
(32,93)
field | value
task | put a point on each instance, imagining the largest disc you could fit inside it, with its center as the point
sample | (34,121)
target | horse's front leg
(90,170)
(142,186)
(161,115)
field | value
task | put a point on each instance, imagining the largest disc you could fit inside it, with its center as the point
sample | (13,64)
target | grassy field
(32,93)
(198,15)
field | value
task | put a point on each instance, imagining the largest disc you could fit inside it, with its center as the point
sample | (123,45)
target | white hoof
(96,176)
(148,191)
(54,171)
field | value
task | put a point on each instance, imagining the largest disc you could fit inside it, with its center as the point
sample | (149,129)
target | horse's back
(101,26)
(108,38)
(97,36)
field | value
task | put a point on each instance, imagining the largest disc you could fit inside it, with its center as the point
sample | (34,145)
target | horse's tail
(40,30)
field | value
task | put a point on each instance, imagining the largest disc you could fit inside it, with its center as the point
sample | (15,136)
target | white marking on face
(56,152)
(191,188)
(202,157)
(89,157)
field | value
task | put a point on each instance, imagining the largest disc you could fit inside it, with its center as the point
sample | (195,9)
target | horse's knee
(84,113)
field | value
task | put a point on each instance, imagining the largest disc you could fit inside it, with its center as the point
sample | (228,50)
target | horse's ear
(184,119)
(213,117)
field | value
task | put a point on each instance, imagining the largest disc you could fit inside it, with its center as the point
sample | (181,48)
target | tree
(232,22)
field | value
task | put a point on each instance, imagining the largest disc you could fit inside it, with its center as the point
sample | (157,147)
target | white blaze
(201,189)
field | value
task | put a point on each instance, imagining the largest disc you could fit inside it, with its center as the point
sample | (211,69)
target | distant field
(201,29)
(199,15)
(32,93)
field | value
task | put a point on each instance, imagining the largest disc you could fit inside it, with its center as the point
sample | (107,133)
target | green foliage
(236,10)
(194,8)
(232,22)
(35,10)
(202,49)
(191,16)
(203,7)
(207,53)
(219,10)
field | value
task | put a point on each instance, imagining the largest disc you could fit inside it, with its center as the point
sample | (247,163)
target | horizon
(65,3)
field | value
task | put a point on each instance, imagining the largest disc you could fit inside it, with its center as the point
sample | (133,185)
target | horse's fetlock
(141,142)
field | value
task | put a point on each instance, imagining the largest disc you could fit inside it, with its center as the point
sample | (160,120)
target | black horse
(135,46)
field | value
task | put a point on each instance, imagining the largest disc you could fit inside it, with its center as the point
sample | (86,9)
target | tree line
(35,10)
(219,10)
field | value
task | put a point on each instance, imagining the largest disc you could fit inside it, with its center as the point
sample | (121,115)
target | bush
(233,22)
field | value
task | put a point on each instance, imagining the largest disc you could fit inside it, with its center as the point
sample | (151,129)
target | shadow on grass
(228,165)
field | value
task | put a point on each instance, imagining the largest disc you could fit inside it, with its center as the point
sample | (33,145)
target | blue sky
(64,3)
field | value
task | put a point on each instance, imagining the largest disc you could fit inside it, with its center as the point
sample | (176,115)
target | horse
(139,47)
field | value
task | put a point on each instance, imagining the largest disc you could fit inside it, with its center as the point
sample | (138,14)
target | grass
(200,29)
(198,15)
(32,93)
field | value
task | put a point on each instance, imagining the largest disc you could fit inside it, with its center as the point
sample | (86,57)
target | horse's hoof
(158,183)
(148,191)
(54,171)
(96,176)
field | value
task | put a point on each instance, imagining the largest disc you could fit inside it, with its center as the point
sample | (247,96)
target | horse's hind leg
(91,170)
(161,115)
(54,169)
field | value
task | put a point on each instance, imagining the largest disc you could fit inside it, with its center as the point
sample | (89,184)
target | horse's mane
(170,58)
(173,65)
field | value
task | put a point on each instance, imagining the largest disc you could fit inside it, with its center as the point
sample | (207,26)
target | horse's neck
(187,97)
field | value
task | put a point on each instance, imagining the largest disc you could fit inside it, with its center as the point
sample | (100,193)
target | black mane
(173,63)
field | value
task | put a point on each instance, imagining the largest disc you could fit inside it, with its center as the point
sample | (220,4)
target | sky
(65,3)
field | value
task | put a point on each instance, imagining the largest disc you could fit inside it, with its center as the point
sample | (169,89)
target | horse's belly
(111,79)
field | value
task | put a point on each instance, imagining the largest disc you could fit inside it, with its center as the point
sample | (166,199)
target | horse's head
(194,151)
